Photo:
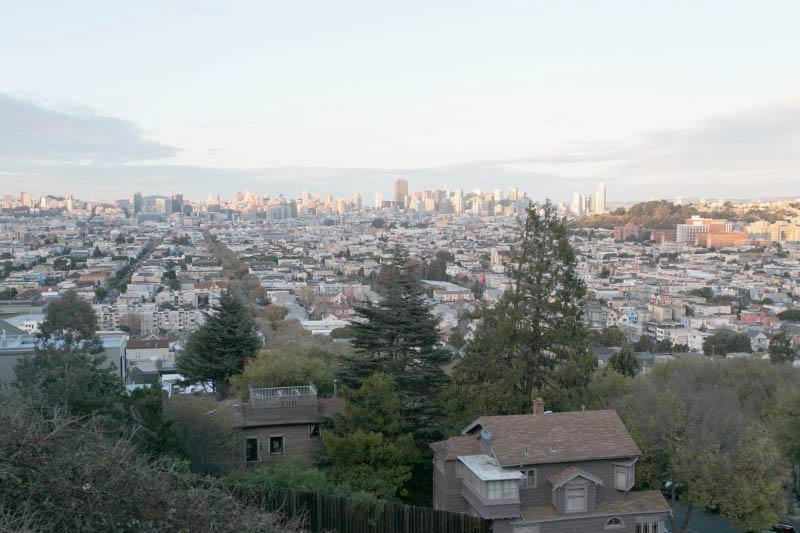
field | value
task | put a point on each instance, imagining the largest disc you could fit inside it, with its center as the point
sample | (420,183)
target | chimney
(538,406)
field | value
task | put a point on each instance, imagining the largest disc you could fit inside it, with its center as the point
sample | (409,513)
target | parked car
(777,528)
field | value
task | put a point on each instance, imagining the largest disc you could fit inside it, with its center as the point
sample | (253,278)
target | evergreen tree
(398,336)
(781,349)
(371,447)
(219,349)
(68,370)
(534,342)
(624,362)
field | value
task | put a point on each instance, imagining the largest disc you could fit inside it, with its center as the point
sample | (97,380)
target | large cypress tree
(220,348)
(398,336)
(534,342)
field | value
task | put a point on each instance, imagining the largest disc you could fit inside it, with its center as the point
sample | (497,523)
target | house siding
(296,442)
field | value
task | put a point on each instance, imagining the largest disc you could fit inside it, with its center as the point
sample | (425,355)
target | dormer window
(624,475)
(576,500)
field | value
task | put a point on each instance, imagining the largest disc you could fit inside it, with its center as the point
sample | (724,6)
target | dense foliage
(534,342)
(219,349)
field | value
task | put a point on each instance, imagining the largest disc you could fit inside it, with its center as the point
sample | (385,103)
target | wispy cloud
(29,132)
(754,152)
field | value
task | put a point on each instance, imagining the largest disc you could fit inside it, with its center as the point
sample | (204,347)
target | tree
(723,343)
(781,349)
(624,362)
(790,315)
(697,429)
(371,447)
(612,336)
(398,336)
(645,344)
(64,473)
(219,349)
(288,367)
(205,430)
(68,370)
(664,345)
(534,342)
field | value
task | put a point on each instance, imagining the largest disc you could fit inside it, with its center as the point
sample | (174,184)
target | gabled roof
(556,437)
(568,474)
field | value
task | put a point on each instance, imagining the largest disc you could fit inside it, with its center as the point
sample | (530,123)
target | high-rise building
(578,204)
(357,201)
(378,200)
(177,203)
(600,198)
(137,203)
(400,193)
(513,194)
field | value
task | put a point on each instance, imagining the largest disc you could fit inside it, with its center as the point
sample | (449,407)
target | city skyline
(313,100)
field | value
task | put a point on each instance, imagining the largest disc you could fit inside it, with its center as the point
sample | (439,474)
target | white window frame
(258,450)
(650,526)
(620,525)
(283,446)
(567,491)
(494,490)
(531,473)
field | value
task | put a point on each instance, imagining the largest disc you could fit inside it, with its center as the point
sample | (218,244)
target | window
(276,445)
(530,478)
(510,489)
(576,500)
(459,469)
(314,431)
(648,527)
(497,490)
(529,528)
(251,450)
(615,523)
(623,476)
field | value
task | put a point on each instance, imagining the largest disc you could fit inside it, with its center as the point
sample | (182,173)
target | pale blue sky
(656,98)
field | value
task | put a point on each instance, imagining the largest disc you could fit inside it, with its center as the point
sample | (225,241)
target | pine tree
(220,348)
(398,336)
(534,342)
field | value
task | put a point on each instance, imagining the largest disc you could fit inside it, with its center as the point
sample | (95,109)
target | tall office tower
(378,200)
(400,193)
(177,203)
(577,204)
(137,203)
(304,196)
(498,195)
(679,200)
(600,198)
(513,194)
(357,201)
(25,199)
(70,203)
(458,202)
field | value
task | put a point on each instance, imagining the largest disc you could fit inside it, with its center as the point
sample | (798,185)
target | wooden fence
(322,513)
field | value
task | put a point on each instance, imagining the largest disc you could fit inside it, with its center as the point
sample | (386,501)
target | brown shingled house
(547,473)
(284,422)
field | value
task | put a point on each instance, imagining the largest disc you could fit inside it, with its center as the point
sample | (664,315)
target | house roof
(568,474)
(556,437)
(455,446)
(487,469)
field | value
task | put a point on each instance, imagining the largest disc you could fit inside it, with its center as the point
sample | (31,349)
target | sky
(656,99)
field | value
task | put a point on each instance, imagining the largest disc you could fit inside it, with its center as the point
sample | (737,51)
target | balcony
(277,397)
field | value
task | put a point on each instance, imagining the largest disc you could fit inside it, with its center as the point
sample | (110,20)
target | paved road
(703,521)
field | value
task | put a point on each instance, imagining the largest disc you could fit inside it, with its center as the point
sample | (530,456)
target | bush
(66,474)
